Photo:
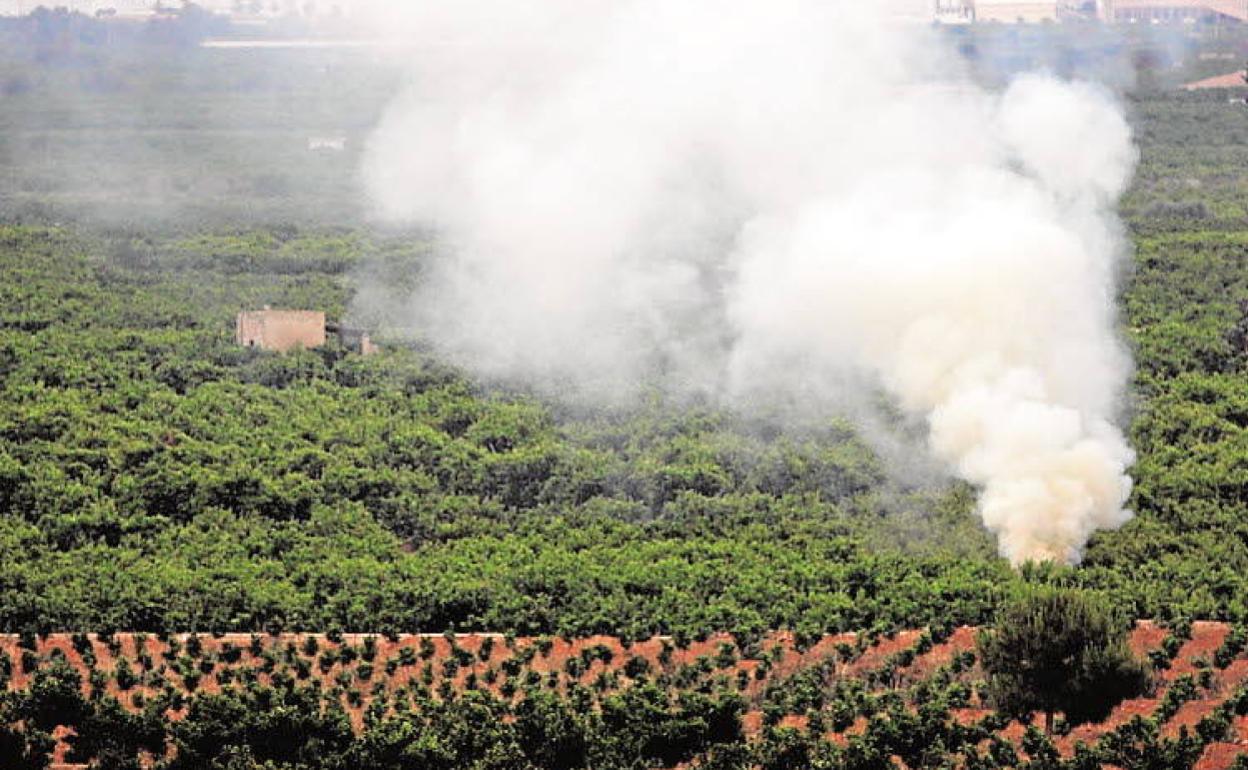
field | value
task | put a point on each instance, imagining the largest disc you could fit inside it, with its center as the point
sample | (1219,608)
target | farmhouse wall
(281,330)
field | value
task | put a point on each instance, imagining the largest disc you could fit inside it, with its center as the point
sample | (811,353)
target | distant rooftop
(1234,79)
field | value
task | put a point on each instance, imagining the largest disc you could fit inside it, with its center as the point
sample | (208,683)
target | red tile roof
(1229,80)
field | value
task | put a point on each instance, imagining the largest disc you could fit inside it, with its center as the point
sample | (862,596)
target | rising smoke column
(765,201)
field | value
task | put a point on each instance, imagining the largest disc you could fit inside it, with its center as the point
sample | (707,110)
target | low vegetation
(452,701)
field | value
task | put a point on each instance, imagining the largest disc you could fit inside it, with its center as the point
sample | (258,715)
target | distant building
(955,11)
(1013,12)
(356,340)
(327,143)
(1114,11)
(1237,79)
(285,330)
(280,330)
(1129,11)
(1029,11)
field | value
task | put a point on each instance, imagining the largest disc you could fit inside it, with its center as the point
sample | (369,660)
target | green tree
(1057,650)
(22,745)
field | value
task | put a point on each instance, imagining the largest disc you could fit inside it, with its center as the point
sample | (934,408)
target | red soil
(1232,676)
(602,656)
(962,640)
(1147,636)
(1187,717)
(1121,715)
(970,717)
(1219,756)
(1205,641)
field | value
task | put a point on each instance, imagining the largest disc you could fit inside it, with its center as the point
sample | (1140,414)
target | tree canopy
(1057,650)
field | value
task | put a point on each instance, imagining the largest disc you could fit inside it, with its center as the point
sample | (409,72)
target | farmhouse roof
(1229,80)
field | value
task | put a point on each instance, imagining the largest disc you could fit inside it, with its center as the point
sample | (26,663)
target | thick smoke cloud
(764,203)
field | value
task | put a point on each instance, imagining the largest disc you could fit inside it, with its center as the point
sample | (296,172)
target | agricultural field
(217,557)
(845,700)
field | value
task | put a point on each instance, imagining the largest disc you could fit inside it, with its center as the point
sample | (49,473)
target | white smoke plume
(764,201)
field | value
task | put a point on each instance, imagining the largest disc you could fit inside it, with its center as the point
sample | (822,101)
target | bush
(125,675)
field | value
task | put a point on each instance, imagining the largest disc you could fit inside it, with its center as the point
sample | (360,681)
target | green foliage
(1234,643)
(1059,651)
(27,747)
(155,476)
(321,490)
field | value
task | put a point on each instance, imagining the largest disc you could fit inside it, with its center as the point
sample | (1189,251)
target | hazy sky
(17,7)
(8,7)
(89,6)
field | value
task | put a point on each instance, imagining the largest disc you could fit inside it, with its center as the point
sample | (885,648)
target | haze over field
(762,205)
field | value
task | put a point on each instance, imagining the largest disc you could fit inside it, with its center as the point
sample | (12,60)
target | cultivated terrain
(648,586)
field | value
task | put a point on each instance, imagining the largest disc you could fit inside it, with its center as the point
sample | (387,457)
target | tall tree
(1057,650)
